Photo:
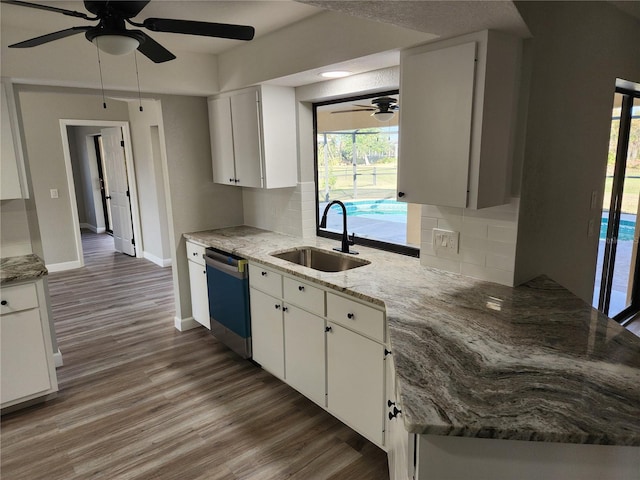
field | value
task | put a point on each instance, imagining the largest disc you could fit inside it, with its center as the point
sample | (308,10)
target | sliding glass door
(617,291)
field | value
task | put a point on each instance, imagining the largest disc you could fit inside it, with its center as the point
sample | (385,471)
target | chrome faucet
(346,242)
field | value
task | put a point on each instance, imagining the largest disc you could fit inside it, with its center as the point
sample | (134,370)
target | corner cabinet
(329,347)
(198,284)
(253,137)
(459,100)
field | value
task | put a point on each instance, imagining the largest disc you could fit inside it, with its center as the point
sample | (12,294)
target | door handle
(108,197)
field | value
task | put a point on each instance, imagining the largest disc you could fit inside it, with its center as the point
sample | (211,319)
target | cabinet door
(199,294)
(221,141)
(355,381)
(304,353)
(435,125)
(267,332)
(24,367)
(247,145)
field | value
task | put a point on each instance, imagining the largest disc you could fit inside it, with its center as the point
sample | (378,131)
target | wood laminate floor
(140,400)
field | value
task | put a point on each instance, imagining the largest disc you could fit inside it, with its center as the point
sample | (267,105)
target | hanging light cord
(104,102)
(135,57)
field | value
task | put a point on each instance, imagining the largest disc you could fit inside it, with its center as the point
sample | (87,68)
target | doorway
(617,288)
(123,180)
(103,184)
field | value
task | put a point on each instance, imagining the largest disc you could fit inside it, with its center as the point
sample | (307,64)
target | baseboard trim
(93,228)
(161,262)
(57,359)
(184,324)
(59,267)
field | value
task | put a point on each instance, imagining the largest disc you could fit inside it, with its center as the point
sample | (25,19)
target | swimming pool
(625,232)
(375,207)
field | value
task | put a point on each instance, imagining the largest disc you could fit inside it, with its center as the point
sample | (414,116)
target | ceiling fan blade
(154,51)
(356,110)
(128,9)
(207,29)
(50,37)
(69,13)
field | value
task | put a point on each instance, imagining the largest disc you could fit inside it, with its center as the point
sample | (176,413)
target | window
(617,288)
(357,163)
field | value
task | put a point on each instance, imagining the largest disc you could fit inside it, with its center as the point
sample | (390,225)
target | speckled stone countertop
(477,359)
(21,268)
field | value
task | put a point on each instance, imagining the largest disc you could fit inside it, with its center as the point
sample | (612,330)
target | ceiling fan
(110,35)
(383,108)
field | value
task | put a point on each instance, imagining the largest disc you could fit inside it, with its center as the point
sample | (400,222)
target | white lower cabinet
(339,363)
(198,283)
(304,347)
(27,368)
(267,331)
(355,381)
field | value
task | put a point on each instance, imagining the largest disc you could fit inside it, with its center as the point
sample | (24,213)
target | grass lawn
(630,196)
(372,181)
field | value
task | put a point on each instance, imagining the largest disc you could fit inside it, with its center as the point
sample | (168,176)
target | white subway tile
(440,263)
(502,234)
(501,262)
(440,212)
(475,257)
(450,222)
(485,273)
(474,228)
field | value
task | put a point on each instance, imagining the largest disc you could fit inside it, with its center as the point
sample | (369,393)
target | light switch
(445,240)
(54,193)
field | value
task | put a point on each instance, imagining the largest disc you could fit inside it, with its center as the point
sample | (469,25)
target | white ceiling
(266,16)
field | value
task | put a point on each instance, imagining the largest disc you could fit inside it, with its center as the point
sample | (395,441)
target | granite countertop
(477,359)
(21,268)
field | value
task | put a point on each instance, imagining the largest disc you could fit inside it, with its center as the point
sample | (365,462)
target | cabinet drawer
(20,297)
(195,253)
(304,295)
(354,315)
(265,280)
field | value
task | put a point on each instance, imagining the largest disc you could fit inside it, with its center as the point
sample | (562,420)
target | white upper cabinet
(10,161)
(253,137)
(457,112)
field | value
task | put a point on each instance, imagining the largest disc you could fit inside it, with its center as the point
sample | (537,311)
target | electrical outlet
(594,199)
(591,229)
(446,240)
(54,193)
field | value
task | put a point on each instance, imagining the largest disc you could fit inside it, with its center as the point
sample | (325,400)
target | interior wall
(579,49)
(86,180)
(194,202)
(15,237)
(41,111)
(149,179)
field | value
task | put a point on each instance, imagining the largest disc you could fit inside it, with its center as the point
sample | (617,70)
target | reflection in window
(357,163)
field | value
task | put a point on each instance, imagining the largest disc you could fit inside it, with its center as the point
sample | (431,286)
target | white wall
(41,111)
(15,237)
(150,182)
(195,203)
(578,48)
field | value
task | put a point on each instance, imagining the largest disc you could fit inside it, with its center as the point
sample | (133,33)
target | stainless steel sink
(322,260)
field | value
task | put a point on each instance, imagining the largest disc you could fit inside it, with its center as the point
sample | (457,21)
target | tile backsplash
(283,210)
(487,245)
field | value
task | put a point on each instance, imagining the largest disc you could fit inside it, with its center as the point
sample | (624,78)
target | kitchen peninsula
(483,361)
(27,365)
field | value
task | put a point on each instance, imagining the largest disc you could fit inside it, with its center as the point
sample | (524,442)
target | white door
(114,159)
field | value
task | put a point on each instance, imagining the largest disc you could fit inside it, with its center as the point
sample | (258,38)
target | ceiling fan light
(116,44)
(383,116)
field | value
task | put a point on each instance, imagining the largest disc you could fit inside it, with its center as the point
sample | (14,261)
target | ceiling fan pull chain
(135,57)
(104,102)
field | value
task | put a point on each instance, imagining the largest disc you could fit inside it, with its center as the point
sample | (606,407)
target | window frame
(367,242)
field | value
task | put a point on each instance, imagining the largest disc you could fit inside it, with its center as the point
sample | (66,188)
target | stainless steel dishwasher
(228,287)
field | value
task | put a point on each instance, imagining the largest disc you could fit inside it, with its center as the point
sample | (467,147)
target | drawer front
(361,318)
(304,295)
(20,297)
(265,280)
(195,253)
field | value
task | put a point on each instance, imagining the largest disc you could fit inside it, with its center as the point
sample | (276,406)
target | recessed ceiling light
(335,74)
